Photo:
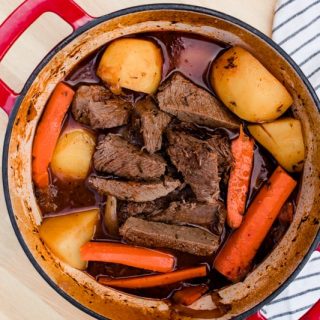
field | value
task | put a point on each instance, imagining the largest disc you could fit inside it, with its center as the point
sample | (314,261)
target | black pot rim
(75,34)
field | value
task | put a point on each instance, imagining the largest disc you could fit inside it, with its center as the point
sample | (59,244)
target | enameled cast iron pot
(272,274)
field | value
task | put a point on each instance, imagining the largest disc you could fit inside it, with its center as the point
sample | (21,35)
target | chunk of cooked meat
(96,106)
(132,190)
(203,214)
(115,155)
(182,98)
(198,164)
(127,209)
(219,220)
(132,132)
(221,145)
(153,123)
(160,235)
(218,141)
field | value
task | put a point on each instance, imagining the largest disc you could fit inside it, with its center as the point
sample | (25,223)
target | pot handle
(20,19)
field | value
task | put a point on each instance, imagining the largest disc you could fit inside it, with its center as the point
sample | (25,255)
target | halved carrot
(189,295)
(48,132)
(155,280)
(242,152)
(128,255)
(235,258)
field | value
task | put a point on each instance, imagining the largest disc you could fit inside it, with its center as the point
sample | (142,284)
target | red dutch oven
(25,108)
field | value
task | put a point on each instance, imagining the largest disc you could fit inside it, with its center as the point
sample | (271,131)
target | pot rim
(67,40)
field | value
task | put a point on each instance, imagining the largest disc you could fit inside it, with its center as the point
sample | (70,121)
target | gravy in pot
(192,56)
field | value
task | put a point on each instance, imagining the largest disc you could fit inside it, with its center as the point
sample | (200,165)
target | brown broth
(188,54)
(192,56)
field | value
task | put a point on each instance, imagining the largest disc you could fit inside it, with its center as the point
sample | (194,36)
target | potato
(247,88)
(65,235)
(283,139)
(134,64)
(72,154)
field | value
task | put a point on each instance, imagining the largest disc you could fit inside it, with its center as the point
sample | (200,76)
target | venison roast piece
(198,164)
(115,155)
(203,214)
(132,190)
(153,123)
(182,98)
(97,107)
(161,235)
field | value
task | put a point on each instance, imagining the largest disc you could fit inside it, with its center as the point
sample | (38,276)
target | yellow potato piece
(134,64)
(72,154)
(65,235)
(247,88)
(283,139)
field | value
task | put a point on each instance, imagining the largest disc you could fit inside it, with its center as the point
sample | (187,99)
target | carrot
(128,255)
(48,132)
(286,213)
(155,280)
(235,257)
(189,295)
(242,152)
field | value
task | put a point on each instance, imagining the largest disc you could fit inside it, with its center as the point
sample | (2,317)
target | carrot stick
(235,257)
(128,255)
(48,132)
(242,151)
(189,295)
(155,280)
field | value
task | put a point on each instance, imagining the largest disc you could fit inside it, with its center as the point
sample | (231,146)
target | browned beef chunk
(128,209)
(115,155)
(198,164)
(203,214)
(182,98)
(160,235)
(218,224)
(218,141)
(221,145)
(132,190)
(153,123)
(96,106)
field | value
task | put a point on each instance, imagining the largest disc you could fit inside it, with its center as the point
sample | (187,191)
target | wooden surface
(24,295)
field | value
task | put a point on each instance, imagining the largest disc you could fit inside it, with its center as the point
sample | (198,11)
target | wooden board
(24,295)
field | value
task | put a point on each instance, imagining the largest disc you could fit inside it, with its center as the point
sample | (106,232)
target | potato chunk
(283,139)
(134,64)
(65,235)
(247,88)
(72,154)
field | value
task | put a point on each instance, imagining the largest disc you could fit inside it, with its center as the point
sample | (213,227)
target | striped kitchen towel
(296,29)
(299,296)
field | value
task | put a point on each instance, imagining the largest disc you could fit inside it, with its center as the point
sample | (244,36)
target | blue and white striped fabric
(300,295)
(296,29)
